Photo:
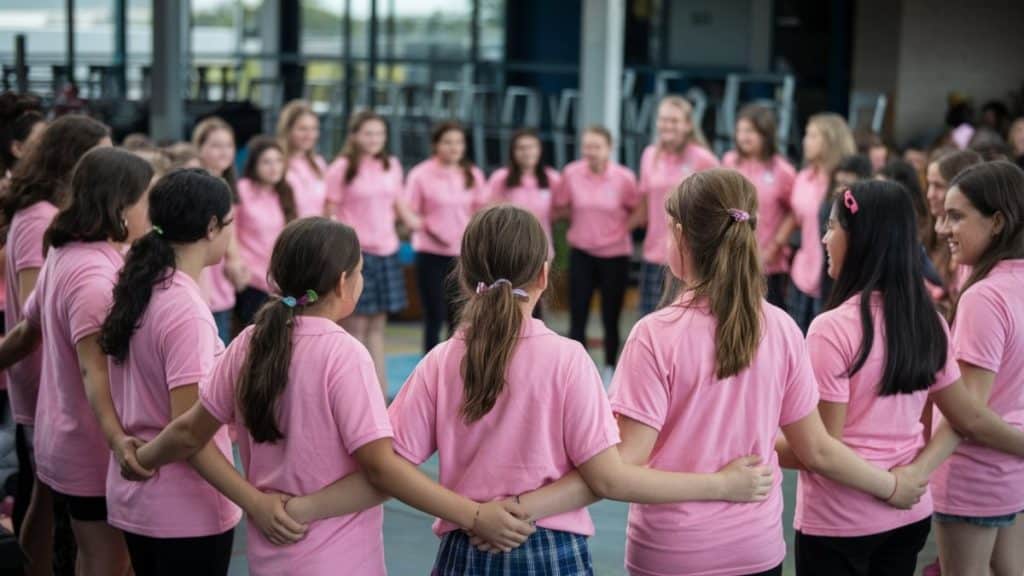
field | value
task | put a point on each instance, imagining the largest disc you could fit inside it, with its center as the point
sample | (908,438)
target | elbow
(817,459)
(188,441)
(376,474)
(607,488)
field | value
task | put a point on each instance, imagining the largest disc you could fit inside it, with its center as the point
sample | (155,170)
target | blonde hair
(837,139)
(709,206)
(696,135)
(290,114)
(201,133)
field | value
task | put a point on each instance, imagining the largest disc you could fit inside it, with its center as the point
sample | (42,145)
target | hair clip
(308,298)
(739,215)
(482,288)
(289,301)
(158,230)
(850,202)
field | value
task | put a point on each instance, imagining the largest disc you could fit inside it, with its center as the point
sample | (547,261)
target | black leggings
(609,275)
(437,295)
(892,553)
(200,556)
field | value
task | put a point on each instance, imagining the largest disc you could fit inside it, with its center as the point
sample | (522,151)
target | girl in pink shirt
(528,183)
(266,204)
(715,376)
(364,190)
(306,396)
(162,340)
(598,197)
(978,494)
(215,141)
(444,192)
(506,379)
(827,140)
(756,158)
(679,150)
(40,184)
(879,352)
(76,424)
(298,130)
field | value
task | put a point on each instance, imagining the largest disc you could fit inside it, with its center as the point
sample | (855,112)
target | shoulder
(731,159)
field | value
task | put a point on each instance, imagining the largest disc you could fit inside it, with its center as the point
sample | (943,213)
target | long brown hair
(949,163)
(837,139)
(725,261)
(515,172)
(310,254)
(995,187)
(290,114)
(763,120)
(201,133)
(453,126)
(351,150)
(258,146)
(504,248)
(696,135)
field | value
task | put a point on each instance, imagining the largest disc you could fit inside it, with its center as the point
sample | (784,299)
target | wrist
(895,487)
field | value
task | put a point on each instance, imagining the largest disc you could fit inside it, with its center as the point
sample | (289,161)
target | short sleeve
(631,193)
(646,167)
(950,371)
(828,363)
(414,192)
(786,178)
(640,385)
(88,302)
(189,349)
(801,394)
(217,389)
(561,196)
(495,191)
(981,330)
(356,399)
(28,251)
(32,312)
(588,425)
(414,415)
(334,181)
(706,160)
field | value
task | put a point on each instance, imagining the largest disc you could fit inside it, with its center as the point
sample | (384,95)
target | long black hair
(182,206)
(19,113)
(309,257)
(105,183)
(882,255)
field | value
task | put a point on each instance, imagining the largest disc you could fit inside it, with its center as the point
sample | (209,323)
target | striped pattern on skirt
(545,553)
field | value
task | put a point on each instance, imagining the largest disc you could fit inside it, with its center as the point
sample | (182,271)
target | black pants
(892,553)
(777,571)
(247,304)
(26,478)
(201,556)
(438,296)
(609,275)
(777,284)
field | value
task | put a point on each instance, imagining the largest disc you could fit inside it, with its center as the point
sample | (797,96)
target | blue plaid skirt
(383,286)
(545,553)
(653,281)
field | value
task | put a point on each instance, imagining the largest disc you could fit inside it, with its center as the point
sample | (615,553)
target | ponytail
(265,374)
(493,321)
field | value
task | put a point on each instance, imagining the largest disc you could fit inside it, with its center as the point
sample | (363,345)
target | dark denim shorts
(1003,521)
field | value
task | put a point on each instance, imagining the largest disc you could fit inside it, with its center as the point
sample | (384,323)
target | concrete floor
(411,546)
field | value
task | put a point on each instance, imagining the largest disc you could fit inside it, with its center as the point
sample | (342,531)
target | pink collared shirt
(774,182)
(308,184)
(259,220)
(600,206)
(661,172)
(809,192)
(367,203)
(527,195)
(438,194)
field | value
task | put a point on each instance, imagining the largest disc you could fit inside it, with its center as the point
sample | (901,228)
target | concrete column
(270,35)
(601,51)
(761,25)
(170,69)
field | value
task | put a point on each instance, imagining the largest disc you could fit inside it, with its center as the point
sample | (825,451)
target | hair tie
(739,215)
(850,202)
(308,298)
(158,230)
(482,288)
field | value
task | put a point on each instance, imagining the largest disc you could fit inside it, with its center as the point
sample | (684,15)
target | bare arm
(26,284)
(405,213)
(638,217)
(833,416)
(21,341)
(348,495)
(966,408)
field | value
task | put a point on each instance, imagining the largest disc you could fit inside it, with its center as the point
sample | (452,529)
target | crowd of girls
(901,408)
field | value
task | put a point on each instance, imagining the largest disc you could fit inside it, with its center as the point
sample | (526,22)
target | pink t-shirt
(666,379)
(528,195)
(308,184)
(808,193)
(367,203)
(217,289)
(660,173)
(987,333)
(24,252)
(331,407)
(259,220)
(552,417)
(174,345)
(883,430)
(439,195)
(774,182)
(600,206)
(71,300)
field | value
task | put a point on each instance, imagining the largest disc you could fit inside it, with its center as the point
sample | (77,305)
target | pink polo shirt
(259,220)
(661,172)
(70,302)
(527,195)
(331,407)
(808,193)
(666,379)
(367,203)
(24,252)
(308,184)
(774,182)
(174,345)
(217,289)
(439,195)
(976,480)
(883,430)
(600,206)
(552,417)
